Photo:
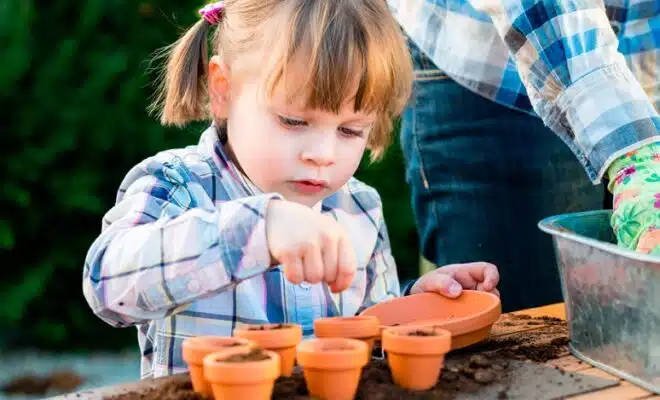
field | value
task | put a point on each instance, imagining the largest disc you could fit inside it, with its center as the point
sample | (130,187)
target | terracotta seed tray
(468,317)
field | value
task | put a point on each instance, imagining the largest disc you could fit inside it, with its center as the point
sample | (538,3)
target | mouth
(309,186)
(311,182)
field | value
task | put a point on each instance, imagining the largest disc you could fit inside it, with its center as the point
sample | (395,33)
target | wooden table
(624,391)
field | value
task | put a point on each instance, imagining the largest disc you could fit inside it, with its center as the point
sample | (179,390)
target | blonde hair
(348,46)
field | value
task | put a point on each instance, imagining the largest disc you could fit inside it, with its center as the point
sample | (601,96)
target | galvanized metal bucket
(612,297)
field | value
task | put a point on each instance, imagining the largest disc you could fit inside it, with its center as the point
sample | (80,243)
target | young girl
(262,220)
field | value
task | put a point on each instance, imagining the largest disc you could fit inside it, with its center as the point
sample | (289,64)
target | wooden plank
(507,325)
(625,390)
(569,364)
(593,371)
(621,392)
(511,323)
(553,310)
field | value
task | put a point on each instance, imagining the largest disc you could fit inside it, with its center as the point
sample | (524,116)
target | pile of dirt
(467,376)
(375,384)
(538,345)
(30,384)
(176,388)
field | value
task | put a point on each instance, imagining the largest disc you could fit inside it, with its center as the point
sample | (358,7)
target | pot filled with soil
(416,354)
(242,373)
(196,348)
(280,338)
(365,328)
(332,366)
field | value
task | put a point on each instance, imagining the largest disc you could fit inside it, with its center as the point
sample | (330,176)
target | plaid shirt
(184,253)
(588,69)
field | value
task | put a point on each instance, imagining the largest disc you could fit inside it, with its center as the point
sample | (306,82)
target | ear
(219,87)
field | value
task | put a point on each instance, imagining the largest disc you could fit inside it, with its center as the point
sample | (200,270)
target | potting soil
(466,371)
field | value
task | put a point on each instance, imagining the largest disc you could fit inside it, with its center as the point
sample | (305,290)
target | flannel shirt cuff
(608,113)
(256,257)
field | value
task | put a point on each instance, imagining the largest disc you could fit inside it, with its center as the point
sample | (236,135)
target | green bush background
(73,89)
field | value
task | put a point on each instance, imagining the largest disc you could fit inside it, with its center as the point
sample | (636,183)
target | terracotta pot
(196,348)
(366,328)
(280,338)
(416,355)
(469,317)
(332,366)
(244,379)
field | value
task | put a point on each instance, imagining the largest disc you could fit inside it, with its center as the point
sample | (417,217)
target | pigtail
(182,96)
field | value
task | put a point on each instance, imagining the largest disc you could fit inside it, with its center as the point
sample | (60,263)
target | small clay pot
(366,328)
(242,373)
(416,354)
(332,366)
(280,338)
(196,348)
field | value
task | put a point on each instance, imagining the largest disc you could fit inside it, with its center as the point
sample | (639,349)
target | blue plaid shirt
(183,253)
(588,69)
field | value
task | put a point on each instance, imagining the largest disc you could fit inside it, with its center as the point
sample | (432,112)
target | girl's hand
(311,247)
(450,280)
(635,184)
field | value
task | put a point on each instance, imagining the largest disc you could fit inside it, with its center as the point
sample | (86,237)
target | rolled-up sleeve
(578,82)
(163,245)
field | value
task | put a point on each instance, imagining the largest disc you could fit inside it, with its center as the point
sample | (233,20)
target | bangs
(332,52)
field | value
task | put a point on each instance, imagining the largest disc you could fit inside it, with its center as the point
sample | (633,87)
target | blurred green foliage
(74,86)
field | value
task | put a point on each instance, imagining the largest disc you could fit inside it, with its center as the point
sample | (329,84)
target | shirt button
(305,285)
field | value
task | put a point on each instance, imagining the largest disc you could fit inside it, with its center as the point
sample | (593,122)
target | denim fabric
(589,69)
(481,176)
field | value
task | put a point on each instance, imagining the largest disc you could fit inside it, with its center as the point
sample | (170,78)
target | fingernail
(455,289)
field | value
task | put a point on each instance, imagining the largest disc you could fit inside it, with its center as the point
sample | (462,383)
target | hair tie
(213,12)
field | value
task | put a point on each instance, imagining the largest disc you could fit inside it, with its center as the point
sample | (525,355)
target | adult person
(495,79)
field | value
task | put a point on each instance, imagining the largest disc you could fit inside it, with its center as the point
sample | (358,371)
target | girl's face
(281,146)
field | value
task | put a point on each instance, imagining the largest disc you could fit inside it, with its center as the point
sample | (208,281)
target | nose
(319,149)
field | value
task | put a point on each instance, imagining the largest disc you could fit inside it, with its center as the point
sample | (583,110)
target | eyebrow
(364,120)
(289,109)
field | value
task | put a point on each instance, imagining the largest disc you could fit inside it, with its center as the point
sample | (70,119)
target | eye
(351,132)
(290,122)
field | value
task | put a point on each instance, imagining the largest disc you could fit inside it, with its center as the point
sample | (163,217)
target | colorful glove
(635,185)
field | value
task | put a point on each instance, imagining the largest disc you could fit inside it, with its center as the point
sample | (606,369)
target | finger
(334,288)
(470,275)
(346,265)
(489,277)
(293,269)
(462,273)
(330,256)
(438,283)
(482,288)
(463,276)
(312,264)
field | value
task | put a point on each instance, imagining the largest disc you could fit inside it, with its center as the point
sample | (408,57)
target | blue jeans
(481,177)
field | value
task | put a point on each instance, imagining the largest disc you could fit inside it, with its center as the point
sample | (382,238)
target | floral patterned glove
(635,185)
